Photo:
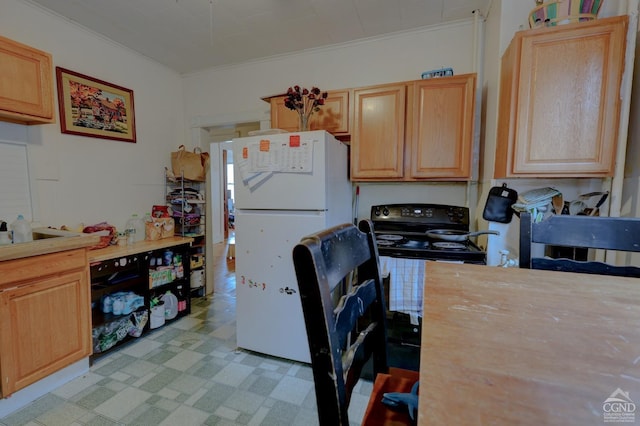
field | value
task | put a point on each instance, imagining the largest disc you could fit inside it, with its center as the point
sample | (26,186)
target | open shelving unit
(135,276)
(187,205)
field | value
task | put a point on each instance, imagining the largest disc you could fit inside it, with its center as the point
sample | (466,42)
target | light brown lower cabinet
(45,322)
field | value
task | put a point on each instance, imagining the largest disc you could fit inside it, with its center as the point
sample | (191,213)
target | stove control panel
(420,213)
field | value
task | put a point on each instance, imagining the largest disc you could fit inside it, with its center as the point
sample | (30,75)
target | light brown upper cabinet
(442,129)
(26,84)
(412,131)
(560,100)
(333,116)
(377,137)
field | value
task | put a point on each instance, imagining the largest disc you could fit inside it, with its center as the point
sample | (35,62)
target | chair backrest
(608,233)
(344,311)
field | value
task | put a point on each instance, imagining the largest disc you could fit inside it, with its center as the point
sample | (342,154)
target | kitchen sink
(46,233)
(45,241)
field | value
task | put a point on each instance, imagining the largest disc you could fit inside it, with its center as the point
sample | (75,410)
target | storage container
(197,278)
(21,230)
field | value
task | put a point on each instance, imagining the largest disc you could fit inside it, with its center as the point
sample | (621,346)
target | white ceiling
(180,33)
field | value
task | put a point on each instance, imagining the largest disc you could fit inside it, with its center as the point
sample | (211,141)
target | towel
(405,286)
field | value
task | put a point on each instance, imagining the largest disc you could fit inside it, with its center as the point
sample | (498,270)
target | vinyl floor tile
(187,373)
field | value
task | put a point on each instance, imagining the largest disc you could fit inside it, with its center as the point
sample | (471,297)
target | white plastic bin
(197,278)
(157,316)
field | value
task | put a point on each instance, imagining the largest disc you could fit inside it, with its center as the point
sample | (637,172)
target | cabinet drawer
(15,272)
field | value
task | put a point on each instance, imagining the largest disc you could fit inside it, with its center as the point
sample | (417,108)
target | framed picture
(92,107)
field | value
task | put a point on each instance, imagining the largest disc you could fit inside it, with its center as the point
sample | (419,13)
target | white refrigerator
(286,186)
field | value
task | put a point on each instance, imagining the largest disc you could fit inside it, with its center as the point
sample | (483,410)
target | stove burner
(390,237)
(385,243)
(415,245)
(449,245)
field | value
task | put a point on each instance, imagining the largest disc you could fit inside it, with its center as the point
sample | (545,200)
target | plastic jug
(140,231)
(130,230)
(170,305)
(135,229)
(21,230)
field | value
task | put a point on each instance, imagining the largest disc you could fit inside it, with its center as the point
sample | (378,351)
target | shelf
(99,318)
(180,195)
(108,277)
(181,200)
(198,290)
(168,286)
(99,289)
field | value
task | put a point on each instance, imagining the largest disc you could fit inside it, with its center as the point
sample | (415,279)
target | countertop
(509,346)
(113,252)
(46,246)
(52,245)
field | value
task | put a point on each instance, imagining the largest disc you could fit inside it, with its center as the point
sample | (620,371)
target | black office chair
(345,316)
(581,232)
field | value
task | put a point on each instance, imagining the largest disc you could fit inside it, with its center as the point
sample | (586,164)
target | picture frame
(92,107)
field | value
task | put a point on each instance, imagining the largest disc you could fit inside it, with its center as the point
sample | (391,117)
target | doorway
(221,152)
(205,133)
(222,196)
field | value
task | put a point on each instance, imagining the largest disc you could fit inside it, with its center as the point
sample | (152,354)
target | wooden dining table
(509,346)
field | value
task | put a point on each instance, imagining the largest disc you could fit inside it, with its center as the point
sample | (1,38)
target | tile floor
(187,373)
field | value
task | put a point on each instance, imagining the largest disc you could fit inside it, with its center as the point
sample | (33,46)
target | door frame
(200,137)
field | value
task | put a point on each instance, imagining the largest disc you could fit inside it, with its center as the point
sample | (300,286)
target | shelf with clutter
(132,284)
(186,206)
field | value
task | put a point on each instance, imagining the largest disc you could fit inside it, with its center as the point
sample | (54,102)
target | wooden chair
(345,315)
(608,233)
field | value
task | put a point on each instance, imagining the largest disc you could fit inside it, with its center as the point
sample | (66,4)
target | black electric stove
(401,232)
(401,236)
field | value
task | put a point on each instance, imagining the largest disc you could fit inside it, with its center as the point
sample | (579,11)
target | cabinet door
(560,100)
(44,326)
(442,136)
(26,84)
(377,142)
(333,116)
(282,117)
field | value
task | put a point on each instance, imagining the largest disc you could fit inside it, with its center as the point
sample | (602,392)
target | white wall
(80,179)
(217,95)
(236,89)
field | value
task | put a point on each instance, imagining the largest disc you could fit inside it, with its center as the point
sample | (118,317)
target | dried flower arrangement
(305,102)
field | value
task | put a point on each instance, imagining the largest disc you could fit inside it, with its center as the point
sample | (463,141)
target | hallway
(188,373)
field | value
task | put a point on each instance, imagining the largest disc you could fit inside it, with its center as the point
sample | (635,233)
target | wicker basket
(559,12)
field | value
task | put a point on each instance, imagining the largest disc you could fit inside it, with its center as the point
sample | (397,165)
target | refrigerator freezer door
(303,190)
(269,313)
